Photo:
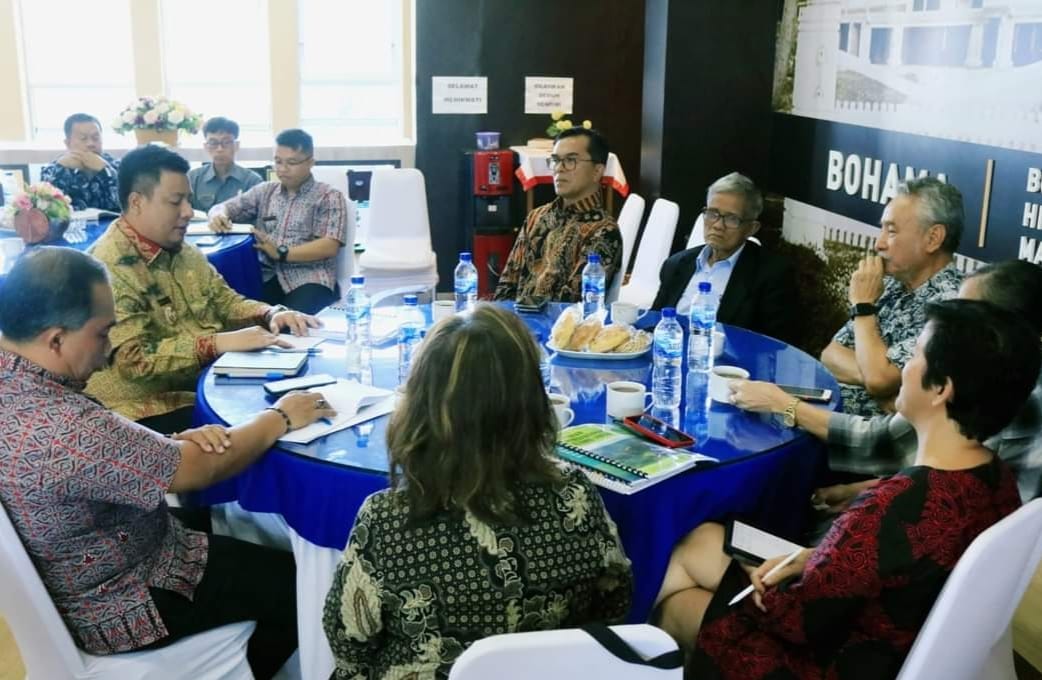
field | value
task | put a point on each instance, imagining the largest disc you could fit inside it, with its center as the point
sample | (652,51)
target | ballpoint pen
(774,570)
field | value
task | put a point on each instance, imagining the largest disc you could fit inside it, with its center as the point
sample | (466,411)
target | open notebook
(353,402)
(615,458)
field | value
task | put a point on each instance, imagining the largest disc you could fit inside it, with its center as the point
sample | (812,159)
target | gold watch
(789,414)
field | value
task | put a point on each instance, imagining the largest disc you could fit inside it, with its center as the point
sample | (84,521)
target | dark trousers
(242,582)
(311,298)
(169,423)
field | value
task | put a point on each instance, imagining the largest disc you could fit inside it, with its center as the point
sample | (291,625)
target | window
(920,5)
(215,61)
(351,89)
(78,57)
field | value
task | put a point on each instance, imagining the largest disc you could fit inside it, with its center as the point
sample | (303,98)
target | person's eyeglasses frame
(567,163)
(735,220)
(213,144)
(290,162)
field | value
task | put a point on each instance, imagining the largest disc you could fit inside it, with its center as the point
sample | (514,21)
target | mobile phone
(207,241)
(658,431)
(754,545)
(277,388)
(531,305)
(808,393)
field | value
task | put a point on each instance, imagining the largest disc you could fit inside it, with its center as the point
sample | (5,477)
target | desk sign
(546,95)
(458,94)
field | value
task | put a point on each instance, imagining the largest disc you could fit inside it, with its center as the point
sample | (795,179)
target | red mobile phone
(658,431)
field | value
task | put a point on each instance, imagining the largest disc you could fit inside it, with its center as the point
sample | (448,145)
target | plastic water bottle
(668,360)
(696,405)
(357,343)
(593,285)
(703,320)
(466,283)
(410,328)
(544,361)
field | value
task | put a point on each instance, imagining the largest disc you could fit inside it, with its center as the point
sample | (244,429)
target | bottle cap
(409,300)
(464,256)
(669,312)
(704,287)
(357,280)
(594,257)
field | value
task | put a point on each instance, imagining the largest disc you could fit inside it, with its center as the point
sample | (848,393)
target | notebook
(203,229)
(353,402)
(261,364)
(615,458)
(298,343)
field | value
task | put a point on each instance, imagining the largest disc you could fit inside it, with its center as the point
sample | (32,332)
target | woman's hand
(761,582)
(209,438)
(837,498)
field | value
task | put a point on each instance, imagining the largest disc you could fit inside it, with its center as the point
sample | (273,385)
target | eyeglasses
(291,162)
(220,143)
(731,221)
(566,162)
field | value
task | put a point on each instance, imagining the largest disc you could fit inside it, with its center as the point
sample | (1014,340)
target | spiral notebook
(615,458)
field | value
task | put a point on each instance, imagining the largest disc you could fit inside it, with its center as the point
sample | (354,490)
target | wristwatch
(863,309)
(283,252)
(789,414)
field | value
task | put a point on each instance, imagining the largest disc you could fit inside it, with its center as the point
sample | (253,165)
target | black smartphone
(658,431)
(530,305)
(277,388)
(808,393)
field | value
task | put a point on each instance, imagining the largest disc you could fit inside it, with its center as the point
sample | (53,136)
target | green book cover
(614,450)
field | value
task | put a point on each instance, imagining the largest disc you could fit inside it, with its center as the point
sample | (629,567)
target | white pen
(774,570)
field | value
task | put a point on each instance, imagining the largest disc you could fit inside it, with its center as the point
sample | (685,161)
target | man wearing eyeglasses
(550,252)
(221,179)
(300,226)
(756,288)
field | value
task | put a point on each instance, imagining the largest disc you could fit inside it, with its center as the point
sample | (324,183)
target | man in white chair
(756,289)
(548,257)
(300,225)
(85,488)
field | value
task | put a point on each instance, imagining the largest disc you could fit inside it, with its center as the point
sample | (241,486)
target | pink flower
(23,202)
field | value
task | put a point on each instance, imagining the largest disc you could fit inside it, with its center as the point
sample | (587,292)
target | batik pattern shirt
(85,490)
(315,211)
(169,307)
(548,257)
(87,189)
(408,597)
(901,317)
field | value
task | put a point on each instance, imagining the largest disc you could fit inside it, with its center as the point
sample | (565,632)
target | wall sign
(459,94)
(546,95)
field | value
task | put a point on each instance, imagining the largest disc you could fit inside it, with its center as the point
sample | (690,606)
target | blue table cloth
(234,257)
(766,471)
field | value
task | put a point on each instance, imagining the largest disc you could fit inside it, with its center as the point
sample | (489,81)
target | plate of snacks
(578,338)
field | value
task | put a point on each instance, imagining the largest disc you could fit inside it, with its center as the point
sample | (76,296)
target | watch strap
(789,414)
(863,309)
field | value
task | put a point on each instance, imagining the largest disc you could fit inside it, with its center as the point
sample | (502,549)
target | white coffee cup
(625,313)
(626,398)
(718,342)
(441,309)
(561,403)
(720,382)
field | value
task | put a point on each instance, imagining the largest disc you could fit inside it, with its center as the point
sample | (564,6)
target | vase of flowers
(40,214)
(157,119)
(558,124)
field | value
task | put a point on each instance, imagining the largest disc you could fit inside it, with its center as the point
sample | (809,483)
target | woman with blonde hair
(480,533)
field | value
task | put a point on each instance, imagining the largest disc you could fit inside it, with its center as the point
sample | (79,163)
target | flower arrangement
(559,124)
(157,113)
(40,213)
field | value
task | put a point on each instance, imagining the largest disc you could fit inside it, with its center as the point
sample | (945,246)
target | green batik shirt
(169,306)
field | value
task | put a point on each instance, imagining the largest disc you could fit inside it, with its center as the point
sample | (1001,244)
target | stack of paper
(353,402)
(203,228)
(298,343)
(383,324)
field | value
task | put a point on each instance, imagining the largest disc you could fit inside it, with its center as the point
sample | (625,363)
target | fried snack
(564,327)
(638,342)
(585,332)
(610,337)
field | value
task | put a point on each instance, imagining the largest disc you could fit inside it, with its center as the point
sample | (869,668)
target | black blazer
(760,295)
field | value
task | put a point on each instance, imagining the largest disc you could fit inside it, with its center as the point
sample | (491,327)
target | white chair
(333,175)
(651,253)
(48,651)
(629,224)
(563,655)
(345,257)
(398,241)
(698,233)
(967,634)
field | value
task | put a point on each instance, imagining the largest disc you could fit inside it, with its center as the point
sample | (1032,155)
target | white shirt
(717,275)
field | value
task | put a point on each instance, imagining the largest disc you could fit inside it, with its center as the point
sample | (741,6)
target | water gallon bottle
(466,283)
(593,285)
(703,320)
(668,359)
(358,312)
(410,327)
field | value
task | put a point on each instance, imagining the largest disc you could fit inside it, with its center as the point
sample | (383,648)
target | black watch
(863,309)
(283,252)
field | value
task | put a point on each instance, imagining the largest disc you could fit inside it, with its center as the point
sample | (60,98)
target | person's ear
(754,228)
(943,393)
(935,236)
(54,338)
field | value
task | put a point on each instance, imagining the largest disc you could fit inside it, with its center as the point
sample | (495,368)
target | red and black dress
(866,589)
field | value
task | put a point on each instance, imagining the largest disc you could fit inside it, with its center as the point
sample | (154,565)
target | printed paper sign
(546,95)
(457,94)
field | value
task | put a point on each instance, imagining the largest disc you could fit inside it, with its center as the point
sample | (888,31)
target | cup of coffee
(626,398)
(562,409)
(625,313)
(441,309)
(720,382)
(718,342)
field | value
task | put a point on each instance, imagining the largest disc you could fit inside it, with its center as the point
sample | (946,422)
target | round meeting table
(233,256)
(304,498)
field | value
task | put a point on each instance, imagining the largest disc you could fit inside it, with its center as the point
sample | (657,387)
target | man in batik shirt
(550,252)
(174,312)
(84,172)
